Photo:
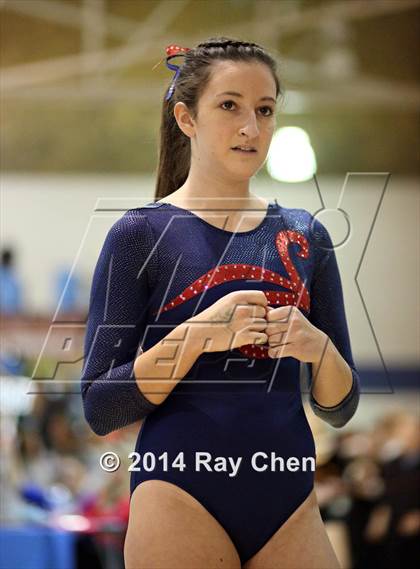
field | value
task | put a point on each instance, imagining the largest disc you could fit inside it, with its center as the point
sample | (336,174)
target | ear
(184,119)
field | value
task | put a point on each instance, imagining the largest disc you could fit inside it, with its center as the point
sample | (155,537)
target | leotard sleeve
(116,321)
(328,314)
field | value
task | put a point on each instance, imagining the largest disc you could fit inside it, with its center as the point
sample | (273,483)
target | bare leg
(300,542)
(169,529)
(338,535)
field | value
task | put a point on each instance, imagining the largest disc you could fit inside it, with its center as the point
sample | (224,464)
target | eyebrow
(235,94)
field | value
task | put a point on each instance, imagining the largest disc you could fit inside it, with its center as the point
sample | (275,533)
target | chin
(242,176)
(244,173)
(238,172)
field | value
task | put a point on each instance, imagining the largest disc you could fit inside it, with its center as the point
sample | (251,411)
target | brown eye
(270,109)
(224,103)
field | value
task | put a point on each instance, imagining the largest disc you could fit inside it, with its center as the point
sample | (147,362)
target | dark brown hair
(175,147)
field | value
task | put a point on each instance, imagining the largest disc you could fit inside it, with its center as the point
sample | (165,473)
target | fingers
(256,312)
(276,339)
(257,338)
(277,328)
(257,324)
(283,313)
(252,297)
(250,312)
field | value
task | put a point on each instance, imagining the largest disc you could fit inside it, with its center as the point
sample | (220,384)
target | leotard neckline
(270,206)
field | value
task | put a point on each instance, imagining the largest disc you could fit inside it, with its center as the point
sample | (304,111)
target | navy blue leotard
(159,266)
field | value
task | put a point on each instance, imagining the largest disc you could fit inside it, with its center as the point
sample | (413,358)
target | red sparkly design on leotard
(297,296)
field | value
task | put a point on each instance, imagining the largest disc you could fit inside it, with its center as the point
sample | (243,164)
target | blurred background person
(11,288)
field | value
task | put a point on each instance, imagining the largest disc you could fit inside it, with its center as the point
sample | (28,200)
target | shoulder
(133,220)
(302,220)
(130,230)
(296,218)
(303,216)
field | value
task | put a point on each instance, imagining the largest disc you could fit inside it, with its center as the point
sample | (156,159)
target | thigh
(301,541)
(169,529)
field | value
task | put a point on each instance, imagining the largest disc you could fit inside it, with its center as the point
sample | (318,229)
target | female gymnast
(204,305)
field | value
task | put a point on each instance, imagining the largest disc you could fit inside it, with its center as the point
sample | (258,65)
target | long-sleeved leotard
(159,266)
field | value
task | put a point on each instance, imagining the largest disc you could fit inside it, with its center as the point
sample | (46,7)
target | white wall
(46,217)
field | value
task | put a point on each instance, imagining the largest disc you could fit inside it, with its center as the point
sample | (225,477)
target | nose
(251,127)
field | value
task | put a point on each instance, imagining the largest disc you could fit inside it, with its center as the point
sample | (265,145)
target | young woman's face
(227,120)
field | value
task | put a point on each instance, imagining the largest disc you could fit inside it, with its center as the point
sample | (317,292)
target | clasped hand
(290,334)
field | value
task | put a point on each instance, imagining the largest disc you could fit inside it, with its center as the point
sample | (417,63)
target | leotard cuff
(338,415)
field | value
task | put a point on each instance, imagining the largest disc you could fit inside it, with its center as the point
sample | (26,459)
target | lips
(249,150)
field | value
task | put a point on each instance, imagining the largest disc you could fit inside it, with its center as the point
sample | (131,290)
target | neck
(208,190)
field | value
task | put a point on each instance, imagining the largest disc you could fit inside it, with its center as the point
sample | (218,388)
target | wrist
(323,348)
(193,336)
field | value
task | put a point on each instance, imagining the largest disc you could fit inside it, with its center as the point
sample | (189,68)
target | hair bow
(172,51)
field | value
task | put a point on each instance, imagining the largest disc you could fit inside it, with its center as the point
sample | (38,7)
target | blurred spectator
(57,428)
(11,361)
(67,291)
(395,523)
(10,286)
(32,460)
